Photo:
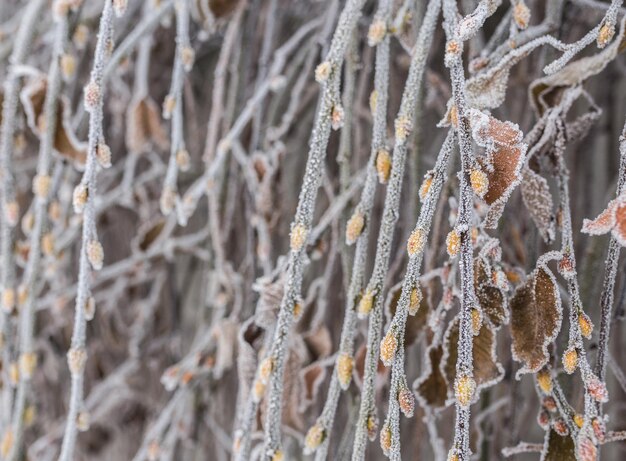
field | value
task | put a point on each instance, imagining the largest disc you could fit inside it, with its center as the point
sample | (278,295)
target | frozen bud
(365,304)
(336,117)
(92,96)
(566,266)
(168,200)
(560,427)
(76,359)
(570,360)
(278,456)
(345,364)
(47,244)
(83,421)
(354,227)
(169,103)
(95,254)
(41,185)
(183,161)
(28,362)
(265,369)
(103,155)
(12,212)
(597,390)
(6,445)
(402,128)
(60,8)
(68,66)
(8,299)
(425,187)
(14,374)
(406,400)
(416,241)
(383,165)
(153,451)
(453,243)
(90,308)
(607,31)
(22,294)
(80,37)
(119,6)
(479,182)
(388,347)
(314,438)
(373,99)
(477,321)
(521,15)
(322,72)
(415,299)
(372,427)
(549,404)
(28,221)
(297,310)
(385,439)
(453,48)
(544,380)
(464,389)
(453,116)
(586,327)
(599,429)
(187,57)
(79,198)
(452,455)
(376,32)
(587,451)
(579,420)
(299,235)
(29,415)
(543,419)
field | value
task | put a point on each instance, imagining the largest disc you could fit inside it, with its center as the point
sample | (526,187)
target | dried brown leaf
(491,298)
(558,447)
(431,386)
(143,125)
(538,200)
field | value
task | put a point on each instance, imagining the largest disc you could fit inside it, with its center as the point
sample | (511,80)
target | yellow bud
(314,438)
(83,421)
(403,128)
(79,198)
(345,364)
(454,116)
(373,99)
(95,254)
(76,359)
(47,244)
(265,369)
(41,185)
(579,420)
(258,389)
(607,31)
(169,103)
(7,443)
(188,57)
(477,321)
(385,439)
(453,243)
(545,381)
(336,117)
(464,390)
(322,72)
(354,227)
(388,347)
(586,327)
(168,200)
(278,456)
(183,161)
(14,374)
(298,237)
(521,15)
(570,360)
(425,187)
(415,300)
(28,362)
(103,155)
(479,182)
(416,241)
(29,415)
(68,66)
(92,96)
(366,303)
(376,32)
(383,165)
(8,299)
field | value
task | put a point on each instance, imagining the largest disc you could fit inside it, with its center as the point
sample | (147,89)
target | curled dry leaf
(143,125)
(612,219)
(66,144)
(558,447)
(536,316)
(538,201)
(487,370)
(492,299)
(431,387)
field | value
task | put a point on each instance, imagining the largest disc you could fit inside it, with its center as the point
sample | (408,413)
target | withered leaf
(487,370)
(147,234)
(66,144)
(558,448)
(504,172)
(612,219)
(414,323)
(311,378)
(359,366)
(319,342)
(432,387)
(536,316)
(491,298)
(538,200)
(143,125)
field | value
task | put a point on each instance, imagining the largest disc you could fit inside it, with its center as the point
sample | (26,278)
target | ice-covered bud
(479,182)
(464,389)
(453,243)
(383,165)
(95,254)
(416,241)
(570,360)
(345,365)
(314,438)
(415,300)
(299,235)
(354,227)
(388,347)
(365,303)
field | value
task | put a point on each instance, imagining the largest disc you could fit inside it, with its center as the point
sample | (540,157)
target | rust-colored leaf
(536,316)
(558,447)
(432,387)
(612,219)
(492,300)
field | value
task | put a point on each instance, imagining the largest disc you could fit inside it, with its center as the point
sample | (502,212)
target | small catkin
(406,400)
(354,227)
(372,427)
(597,390)
(68,66)
(298,237)
(47,244)
(543,419)
(607,31)
(376,32)
(365,304)
(599,429)
(402,128)
(103,155)
(76,359)
(336,117)
(265,369)
(41,185)
(83,421)
(187,57)
(12,212)
(95,254)
(90,308)
(549,404)
(464,390)
(92,96)
(521,15)
(119,6)
(453,243)
(168,200)
(579,420)
(415,299)
(169,103)
(314,438)
(416,241)
(425,187)
(81,36)
(560,427)
(322,72)
(345,365)
(258,389)
(28,221)
(385,439)
(373,99)
(544,380)
(453,116)
(586,327)
(183,160)
(79,198)
(479,182)
(388,347)
(570,360)
(452,455)
(28,363)
(383,165)
(8,299)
